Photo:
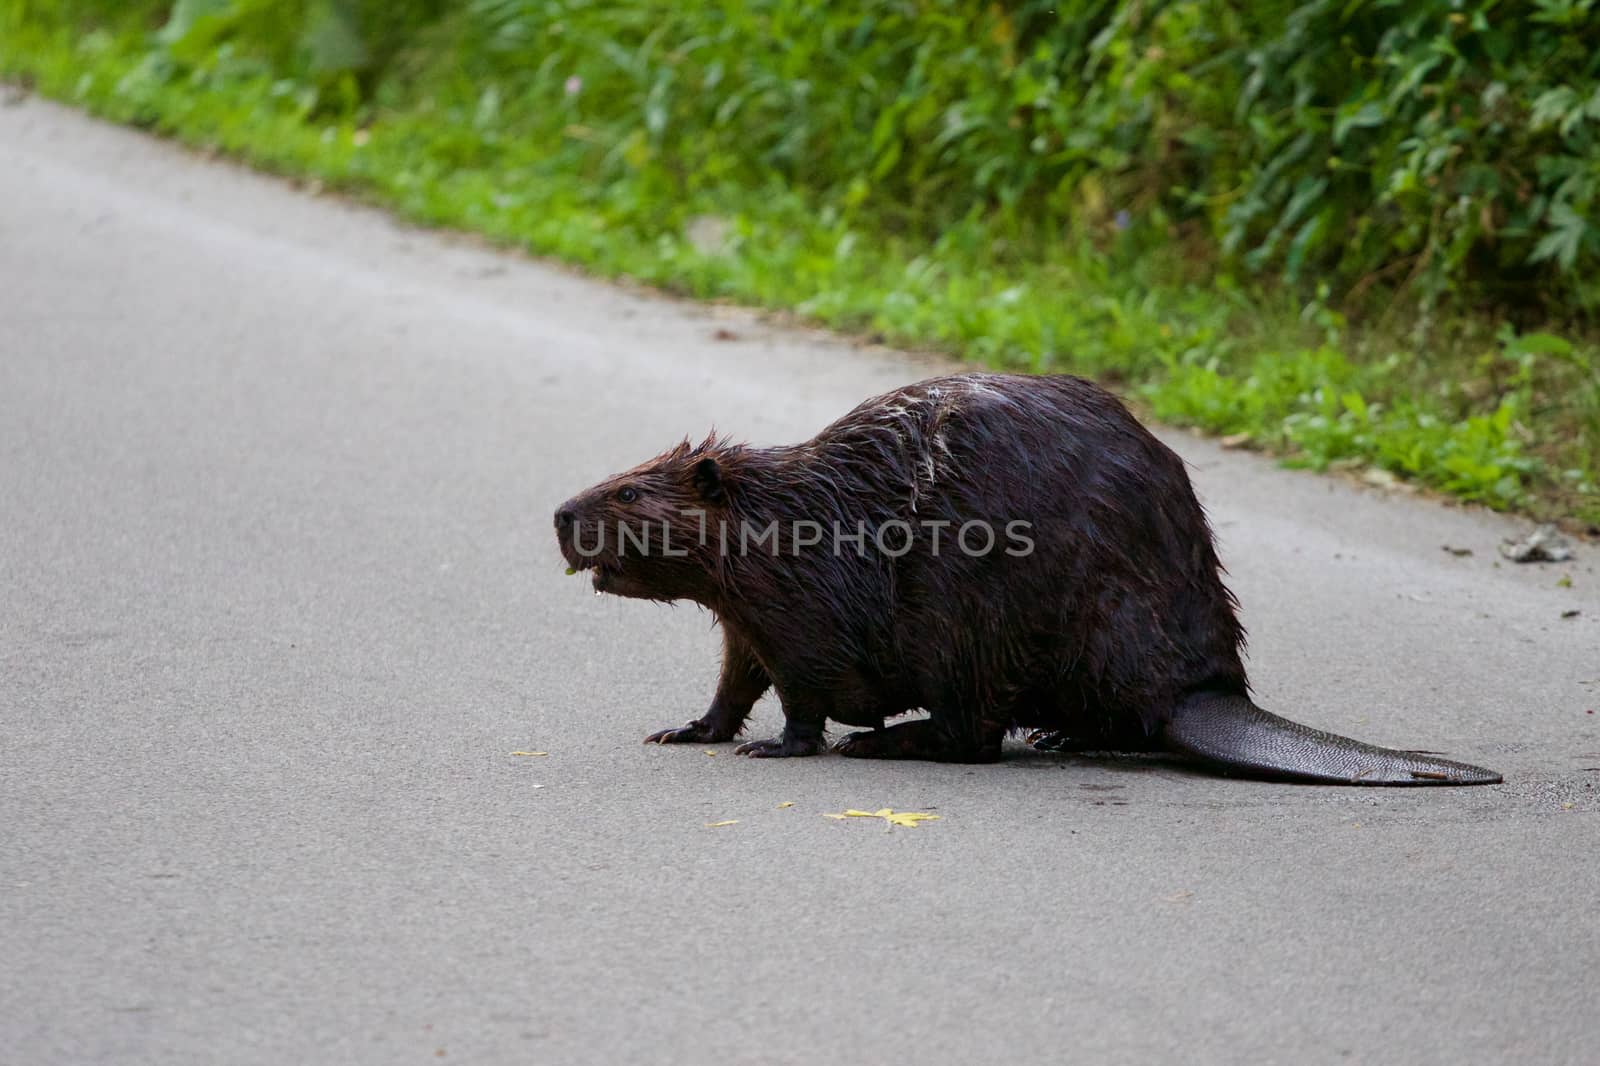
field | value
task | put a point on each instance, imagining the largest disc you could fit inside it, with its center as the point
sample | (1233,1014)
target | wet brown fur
(1116,616)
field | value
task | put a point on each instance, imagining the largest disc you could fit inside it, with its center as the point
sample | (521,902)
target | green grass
(1483,413)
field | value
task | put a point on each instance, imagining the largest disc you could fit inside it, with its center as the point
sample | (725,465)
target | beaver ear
(708,480)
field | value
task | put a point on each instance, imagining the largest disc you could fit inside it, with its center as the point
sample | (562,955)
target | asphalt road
(279,597)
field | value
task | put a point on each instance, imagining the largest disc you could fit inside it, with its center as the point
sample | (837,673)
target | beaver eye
(627,495)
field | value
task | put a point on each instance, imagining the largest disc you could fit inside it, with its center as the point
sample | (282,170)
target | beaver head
(650,532)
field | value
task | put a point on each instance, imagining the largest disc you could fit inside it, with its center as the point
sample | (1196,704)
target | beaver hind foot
(1229,733)
(921,739)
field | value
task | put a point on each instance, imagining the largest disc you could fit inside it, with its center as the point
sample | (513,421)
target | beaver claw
(696,732)
(781,747)
(1056,740)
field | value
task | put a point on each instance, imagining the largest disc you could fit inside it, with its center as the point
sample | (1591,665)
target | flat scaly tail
(1232,734)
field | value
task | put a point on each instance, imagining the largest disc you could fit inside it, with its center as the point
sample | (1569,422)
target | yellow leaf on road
(530,753)
(786,803)
(717,825)
(908,819)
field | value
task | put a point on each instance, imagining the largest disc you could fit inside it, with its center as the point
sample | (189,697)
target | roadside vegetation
(1358,234)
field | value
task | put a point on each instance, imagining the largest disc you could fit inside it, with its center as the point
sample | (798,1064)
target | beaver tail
(1232,734)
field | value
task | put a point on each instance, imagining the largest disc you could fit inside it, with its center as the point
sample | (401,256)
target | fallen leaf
(784,804)
(719,825)
(709,752)
(909,819)
(530,753)
(1456,551)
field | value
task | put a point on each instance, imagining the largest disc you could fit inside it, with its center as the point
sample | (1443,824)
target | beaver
(1009,554)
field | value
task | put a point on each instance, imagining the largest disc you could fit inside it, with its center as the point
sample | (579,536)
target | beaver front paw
(781,747)
(698,731)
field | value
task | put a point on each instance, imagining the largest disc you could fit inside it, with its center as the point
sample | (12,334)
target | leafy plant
(1203,200)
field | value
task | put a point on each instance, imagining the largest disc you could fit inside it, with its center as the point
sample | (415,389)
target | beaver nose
(565,516)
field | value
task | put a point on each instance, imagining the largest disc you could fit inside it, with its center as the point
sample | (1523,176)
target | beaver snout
(566,515)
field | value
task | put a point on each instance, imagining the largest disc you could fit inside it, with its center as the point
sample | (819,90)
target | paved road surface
(278,595)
